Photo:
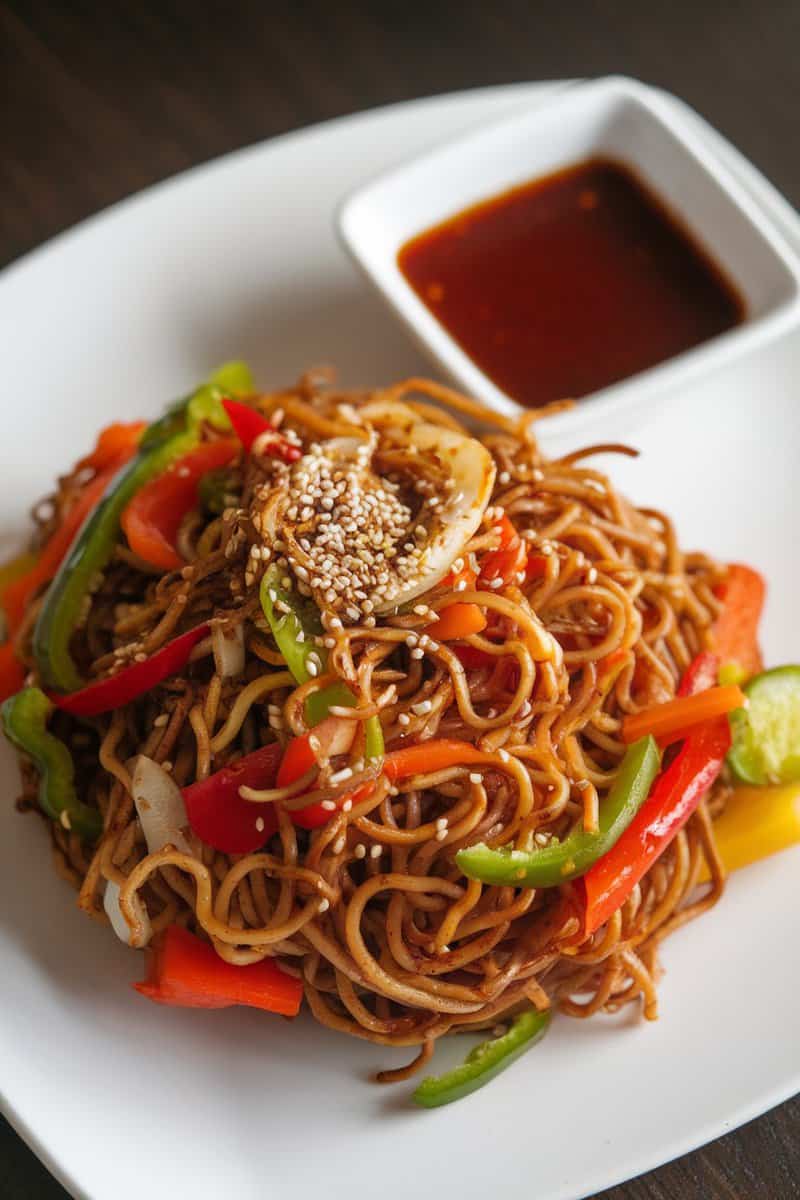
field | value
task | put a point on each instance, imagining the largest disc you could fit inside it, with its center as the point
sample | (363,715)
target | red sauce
(570,283)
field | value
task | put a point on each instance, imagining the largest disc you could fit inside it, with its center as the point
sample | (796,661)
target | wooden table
(99,100)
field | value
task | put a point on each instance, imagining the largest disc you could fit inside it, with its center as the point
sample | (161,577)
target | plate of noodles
(404,766)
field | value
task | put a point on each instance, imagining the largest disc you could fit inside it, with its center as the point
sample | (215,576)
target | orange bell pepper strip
(509,559)
(17,595)
(742,593)
(185,971)
(672,720)
(12,672)
(457,621)
(113,442)
(152,518)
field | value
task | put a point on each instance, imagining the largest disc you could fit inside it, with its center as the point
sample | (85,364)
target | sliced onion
(228,647)
(334,735)
(160,806)
(472,469)
(118,922)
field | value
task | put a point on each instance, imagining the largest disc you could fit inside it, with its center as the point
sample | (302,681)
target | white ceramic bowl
(616,118)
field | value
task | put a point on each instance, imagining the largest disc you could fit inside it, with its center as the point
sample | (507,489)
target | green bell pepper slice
(169,438)
(559,861)
(484,1062)
(24,718)
(295,624)
(766,734)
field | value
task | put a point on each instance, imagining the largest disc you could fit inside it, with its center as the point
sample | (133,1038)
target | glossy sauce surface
(570,283)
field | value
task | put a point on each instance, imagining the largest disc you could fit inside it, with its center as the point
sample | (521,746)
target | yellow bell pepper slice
(757,822)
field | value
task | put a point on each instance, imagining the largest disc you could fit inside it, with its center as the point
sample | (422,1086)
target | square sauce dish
(590,249)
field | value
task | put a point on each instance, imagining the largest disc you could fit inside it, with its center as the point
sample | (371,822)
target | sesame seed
(404,719)
(441,822)
(376,851)
(328,805)
(324,905)
(418,653)
(422,707)
(504,477)
(341,776)
(339,844)
(140,657)
(311,666)
(360,850)
(441,835)
(260,824)
(541,839)
(421,610)
(591,575)
(474,777)
(160,720)
(347,806)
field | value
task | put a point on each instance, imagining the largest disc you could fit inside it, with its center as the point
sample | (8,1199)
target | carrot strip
(672,719)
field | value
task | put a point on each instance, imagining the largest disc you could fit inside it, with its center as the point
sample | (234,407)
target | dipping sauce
(567,284)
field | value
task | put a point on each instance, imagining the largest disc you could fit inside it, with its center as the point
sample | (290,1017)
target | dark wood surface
(98,100)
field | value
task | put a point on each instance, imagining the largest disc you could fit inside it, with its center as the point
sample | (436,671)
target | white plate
(118,1096)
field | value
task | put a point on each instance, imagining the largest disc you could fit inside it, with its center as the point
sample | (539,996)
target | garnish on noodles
(327,697)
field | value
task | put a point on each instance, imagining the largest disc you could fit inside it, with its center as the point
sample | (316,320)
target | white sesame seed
(441,835)
(591,575)
(324,905)
(359,850)
(417,653)
(474,777)
(341,776)
(311,666)
(347,806)
(328,805)
(376,851)
(260,824)
(422,707)
(441,822)
(339,844)
(404,719)
(504,477)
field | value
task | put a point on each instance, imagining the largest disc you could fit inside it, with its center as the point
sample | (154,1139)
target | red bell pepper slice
(742,593)
(127,684)
(12,672)
(153,517)
(218,814)
(675,795)
(185,971)
(509,559)
(248,424)
(17,594)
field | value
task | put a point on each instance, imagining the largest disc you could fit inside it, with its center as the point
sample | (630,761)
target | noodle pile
(392,943)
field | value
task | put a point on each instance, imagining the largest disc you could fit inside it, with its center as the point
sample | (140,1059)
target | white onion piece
(118,922)
(334,736)
(160,806)
(228,647)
